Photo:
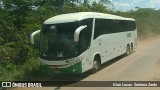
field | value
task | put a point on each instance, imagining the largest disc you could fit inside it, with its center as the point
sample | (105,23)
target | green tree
(15,50)
(85,2)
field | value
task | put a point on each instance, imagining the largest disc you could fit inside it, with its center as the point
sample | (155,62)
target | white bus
(77,42)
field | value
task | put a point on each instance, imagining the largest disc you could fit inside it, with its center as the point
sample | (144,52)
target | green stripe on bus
(74,69)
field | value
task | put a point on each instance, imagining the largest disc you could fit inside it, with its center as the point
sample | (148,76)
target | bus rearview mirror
(32,36)
(77,32)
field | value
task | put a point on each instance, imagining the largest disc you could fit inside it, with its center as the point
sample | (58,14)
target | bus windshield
(57,41)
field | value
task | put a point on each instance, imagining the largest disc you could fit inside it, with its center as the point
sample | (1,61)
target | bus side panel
(113,45)
(86,60)
(108,52)
(96,47)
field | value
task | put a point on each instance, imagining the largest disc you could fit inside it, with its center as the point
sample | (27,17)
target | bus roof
(72,17)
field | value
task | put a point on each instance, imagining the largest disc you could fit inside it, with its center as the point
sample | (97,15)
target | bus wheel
(96,65)
(128,50)
(131,48)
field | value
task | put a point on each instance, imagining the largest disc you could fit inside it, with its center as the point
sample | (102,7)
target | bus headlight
(73,61)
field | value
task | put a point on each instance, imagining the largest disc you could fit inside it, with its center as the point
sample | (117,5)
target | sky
(126,5)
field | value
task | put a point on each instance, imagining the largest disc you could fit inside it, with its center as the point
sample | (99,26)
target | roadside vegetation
(19,18)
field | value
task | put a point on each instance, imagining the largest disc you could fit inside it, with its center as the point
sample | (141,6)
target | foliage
(19,18)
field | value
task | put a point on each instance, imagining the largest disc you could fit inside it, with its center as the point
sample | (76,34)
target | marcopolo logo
(6,84)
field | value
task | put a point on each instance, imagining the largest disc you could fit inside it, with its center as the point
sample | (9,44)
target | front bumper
(72,69)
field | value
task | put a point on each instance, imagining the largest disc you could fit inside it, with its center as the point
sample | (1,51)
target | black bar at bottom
(82,83)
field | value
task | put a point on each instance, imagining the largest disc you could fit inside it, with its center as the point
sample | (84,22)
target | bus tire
(131,48)
(128,50)
(96,65)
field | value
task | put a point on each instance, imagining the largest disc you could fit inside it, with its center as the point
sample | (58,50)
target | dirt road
(142,65)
